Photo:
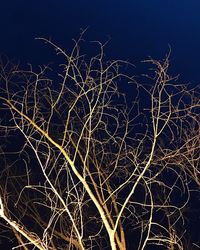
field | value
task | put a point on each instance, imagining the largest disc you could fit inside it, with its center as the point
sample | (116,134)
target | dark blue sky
(137,28)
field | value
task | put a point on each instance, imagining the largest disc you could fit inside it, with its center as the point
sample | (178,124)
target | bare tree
(82,169)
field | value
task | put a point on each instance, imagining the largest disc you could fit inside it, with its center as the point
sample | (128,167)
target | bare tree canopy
(82,168)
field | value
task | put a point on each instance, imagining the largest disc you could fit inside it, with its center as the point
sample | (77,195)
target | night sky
(136,30)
